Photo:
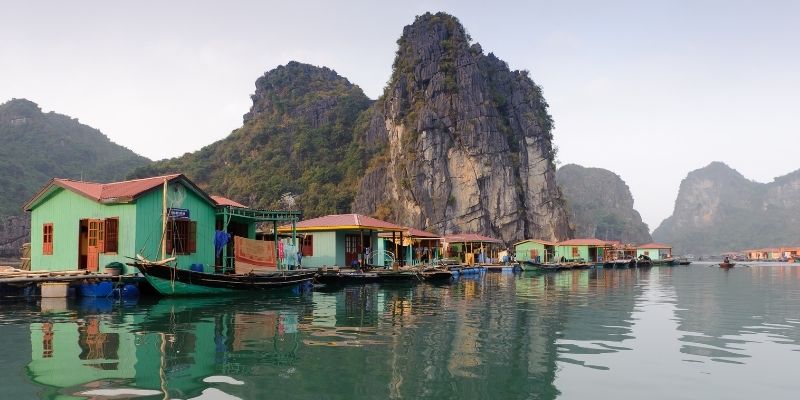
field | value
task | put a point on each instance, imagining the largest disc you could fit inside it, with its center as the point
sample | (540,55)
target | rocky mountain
(463,142)
(601,205)
(37,146)
(458,142)
(718,209)
(14,231)
(297,147)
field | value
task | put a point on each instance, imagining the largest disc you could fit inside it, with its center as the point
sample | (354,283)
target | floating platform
(14,282)
(17,276)
(501,267)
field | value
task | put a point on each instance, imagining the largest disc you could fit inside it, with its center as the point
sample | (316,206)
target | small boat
(172,281)
(682,261)
(501,267)
(644,262)
(530,266)
(436,274)
(726,265)
(582,265)
(621,263)
(533,266)
(664,261)
(352,276)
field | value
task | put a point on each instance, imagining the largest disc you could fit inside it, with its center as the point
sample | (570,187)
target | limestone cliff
(718,209)
(295,149)
(601,205)
(14,231)
(464,142)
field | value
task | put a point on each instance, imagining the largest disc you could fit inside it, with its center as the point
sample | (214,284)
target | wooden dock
(20,277)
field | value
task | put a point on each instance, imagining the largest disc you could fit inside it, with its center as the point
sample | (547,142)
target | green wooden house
(586,249)
(341,240)
(534,250)
(86,225)
(471,248)
(656,251)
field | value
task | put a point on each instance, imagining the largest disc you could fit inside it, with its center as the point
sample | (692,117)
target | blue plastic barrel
(129,291)
(99,289)
(196,268)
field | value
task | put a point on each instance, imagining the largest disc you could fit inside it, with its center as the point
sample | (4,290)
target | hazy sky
(648,89)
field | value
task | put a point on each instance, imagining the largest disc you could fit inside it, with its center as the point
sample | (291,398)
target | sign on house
(178,213)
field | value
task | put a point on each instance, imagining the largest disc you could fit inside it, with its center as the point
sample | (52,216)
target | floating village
(164,234)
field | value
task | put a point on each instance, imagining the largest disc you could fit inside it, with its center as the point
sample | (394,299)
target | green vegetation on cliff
(38,146)
(298,147)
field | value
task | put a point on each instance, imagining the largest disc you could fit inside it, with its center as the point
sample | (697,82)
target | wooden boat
(437,274)
(171,281)
(644,263)
(532,266)
(351,276)
(664,261)
(682,261)
(502,267)
(624,263)
(726,265)
(582,265)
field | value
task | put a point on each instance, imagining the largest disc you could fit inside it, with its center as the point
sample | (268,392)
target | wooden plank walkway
(14,275)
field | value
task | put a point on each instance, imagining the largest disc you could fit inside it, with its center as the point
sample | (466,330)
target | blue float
(99,289)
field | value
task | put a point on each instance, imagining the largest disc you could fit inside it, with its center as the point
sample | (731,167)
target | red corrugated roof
(544,242)
(582,242)
(654,246)
(470,237)
(114,190)
(344,221)
(224,201)
(413,232)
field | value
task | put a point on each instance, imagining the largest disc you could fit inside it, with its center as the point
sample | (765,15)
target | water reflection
(529,335)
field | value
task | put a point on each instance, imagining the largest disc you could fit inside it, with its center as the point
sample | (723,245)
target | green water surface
(694,332)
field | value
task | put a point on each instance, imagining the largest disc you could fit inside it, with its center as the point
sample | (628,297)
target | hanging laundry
(220,240)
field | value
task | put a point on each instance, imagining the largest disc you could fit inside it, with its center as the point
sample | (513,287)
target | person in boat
(726,260)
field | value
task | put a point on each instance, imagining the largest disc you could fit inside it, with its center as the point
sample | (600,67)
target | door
(352,248)
(94,245)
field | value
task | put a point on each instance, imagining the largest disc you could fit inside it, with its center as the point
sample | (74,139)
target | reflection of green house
(588,249)
(539,251)
(342,239)
(70,354)
(87,225)
(656,251)
(71,357)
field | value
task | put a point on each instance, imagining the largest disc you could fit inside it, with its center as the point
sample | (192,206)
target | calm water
(671,332)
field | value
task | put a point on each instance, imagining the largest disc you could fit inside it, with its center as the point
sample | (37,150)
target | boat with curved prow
(172,281)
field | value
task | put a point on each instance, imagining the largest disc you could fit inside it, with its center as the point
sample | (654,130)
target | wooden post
(294,243)
(225,248)
(403,259)
(361,255)
(275,236)
(395,246)
(164,222)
